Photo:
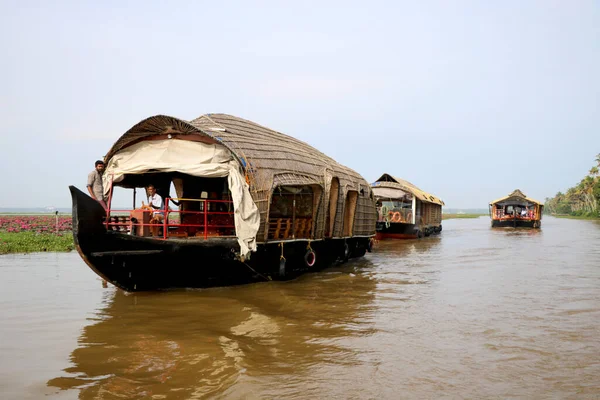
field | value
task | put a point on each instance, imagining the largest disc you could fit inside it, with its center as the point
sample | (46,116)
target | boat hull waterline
(135,263)
(516,223)
(393,230)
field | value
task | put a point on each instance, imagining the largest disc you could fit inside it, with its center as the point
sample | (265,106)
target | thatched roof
(268,159)
(517,195)
(258,148)
(158,125)
(387,180)
(265,149)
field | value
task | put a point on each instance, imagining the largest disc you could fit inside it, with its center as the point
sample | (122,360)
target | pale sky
(466,99)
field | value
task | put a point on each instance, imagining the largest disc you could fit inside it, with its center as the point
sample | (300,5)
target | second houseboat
(405,211)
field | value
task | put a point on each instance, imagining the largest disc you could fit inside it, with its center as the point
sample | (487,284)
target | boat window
(281,205)
(285,199)
(290,213)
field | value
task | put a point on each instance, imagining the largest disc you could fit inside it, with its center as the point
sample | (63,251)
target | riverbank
(588,217)
(452,216)
(32,242)
(35,233)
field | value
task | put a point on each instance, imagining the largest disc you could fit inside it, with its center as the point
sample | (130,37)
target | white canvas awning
(390,193)
(196,159)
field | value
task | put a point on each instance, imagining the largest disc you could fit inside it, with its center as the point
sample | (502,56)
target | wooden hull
(395,230)
(516,223)
(136,263)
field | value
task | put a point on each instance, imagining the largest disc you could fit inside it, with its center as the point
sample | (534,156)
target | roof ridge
(212,121)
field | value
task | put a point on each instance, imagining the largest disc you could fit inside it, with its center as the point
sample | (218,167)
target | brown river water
(472,313)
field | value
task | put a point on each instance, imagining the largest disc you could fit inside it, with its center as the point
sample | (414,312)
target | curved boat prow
(87,214)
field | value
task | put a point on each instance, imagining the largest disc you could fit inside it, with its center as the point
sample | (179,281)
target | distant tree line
(581,200)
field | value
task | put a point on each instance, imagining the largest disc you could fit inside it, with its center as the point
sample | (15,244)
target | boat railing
(501,214)
(290,228)
(212,218)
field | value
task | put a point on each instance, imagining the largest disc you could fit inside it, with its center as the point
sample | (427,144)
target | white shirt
(156,201)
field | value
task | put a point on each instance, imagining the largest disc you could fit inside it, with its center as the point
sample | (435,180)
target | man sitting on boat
(156,202)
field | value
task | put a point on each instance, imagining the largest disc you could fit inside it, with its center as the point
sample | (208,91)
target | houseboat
(404,211)
(517,211)
(248,204)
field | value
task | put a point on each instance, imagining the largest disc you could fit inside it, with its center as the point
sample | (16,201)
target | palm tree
(574,197)
(588,186)
(583,197)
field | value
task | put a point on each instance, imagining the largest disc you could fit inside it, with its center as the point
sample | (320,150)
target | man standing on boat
(94,183)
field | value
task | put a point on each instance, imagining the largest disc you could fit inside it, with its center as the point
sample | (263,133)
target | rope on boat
(266,278)
(281,261)
(282,257)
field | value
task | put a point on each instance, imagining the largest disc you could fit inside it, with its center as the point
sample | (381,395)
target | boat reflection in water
(404,248)
(263,338)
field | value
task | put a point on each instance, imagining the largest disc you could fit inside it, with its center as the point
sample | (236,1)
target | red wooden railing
(500,214)
(124,223)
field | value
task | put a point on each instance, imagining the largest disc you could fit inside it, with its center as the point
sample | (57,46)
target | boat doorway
(334,194)
(349,212)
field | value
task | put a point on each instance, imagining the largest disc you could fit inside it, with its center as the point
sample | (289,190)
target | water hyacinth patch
(36,223)
(26,234)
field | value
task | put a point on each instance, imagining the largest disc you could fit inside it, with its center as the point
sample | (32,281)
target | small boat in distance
(517,211)
(254,204)
(404,211)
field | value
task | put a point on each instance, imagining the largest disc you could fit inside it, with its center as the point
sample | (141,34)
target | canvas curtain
(196,159)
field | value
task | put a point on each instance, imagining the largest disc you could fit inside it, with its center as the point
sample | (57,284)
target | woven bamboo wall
(366,217)
(430,213)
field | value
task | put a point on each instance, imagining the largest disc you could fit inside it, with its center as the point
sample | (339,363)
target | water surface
(475,312)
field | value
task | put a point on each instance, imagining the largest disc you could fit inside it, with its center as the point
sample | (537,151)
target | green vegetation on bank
(581,201)
(31,242)
(450,216)
(593,217)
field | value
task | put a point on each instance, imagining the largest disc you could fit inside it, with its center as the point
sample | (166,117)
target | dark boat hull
(395,230)
(516,223)
(135,263)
